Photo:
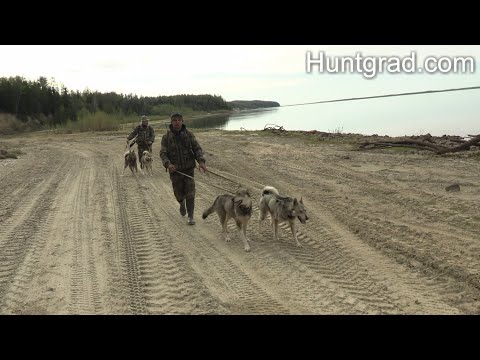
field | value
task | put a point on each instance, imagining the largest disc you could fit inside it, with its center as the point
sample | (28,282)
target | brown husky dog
(130,161)
(237,207)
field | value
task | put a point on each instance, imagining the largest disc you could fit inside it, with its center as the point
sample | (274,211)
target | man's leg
(178,191)
(141,149)
(190,196)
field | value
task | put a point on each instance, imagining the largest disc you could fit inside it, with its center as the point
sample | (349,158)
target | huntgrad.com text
(370,66)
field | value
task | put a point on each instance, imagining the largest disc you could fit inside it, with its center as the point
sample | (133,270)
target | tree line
(252,104)
(52,104)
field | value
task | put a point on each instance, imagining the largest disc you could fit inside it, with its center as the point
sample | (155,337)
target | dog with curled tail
(281,209)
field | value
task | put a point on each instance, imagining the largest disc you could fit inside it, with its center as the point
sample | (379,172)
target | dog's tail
(209,211)
(267,190)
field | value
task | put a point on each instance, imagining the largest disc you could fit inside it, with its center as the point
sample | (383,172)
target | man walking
(145,137)
(179,150)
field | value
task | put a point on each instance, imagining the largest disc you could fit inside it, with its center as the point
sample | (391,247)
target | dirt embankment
(383,236)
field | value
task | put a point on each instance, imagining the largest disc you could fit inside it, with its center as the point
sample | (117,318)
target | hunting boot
(190,209)
(183,211)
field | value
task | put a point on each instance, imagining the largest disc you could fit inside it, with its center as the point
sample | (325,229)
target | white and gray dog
(237,207)
(281,209)
(146,160)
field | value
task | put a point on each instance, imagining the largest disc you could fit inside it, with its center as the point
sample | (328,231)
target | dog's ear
(301,201)
(295,201)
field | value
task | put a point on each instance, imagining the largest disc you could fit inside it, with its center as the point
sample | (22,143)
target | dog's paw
(247,249)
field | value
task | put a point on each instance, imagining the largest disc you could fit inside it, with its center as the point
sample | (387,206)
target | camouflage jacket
(143,134)
(181,149)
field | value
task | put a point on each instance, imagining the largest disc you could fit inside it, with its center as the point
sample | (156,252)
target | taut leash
(191,177)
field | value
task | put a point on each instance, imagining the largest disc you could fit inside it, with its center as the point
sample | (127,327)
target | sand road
(383,236)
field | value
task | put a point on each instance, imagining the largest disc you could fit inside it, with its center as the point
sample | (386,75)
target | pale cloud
(263,72)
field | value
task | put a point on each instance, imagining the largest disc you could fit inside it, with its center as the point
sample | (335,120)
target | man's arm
(152,134)
(133,134)
(164,151)
(197,150)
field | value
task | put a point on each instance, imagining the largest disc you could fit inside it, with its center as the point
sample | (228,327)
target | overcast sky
(236,72)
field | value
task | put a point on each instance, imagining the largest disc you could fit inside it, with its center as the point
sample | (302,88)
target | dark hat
(176,114)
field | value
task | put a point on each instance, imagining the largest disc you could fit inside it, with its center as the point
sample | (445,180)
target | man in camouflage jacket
(179,150)
(145,137)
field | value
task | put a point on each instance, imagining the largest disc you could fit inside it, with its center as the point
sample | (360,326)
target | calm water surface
(439,113)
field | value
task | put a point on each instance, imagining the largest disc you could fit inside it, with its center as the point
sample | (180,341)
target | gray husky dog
(238,207)
(281,209)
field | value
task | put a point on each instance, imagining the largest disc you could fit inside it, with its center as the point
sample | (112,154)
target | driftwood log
(425,143)
(274,128)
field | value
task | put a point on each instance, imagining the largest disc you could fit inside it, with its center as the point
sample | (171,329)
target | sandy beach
(383,235)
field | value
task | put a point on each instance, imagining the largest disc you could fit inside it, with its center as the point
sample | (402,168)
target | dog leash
(229,191)
(232,192)
(221,176)
(224,177)
(219,187)
(210,171)
(191,177)
(251,181)
(181,173)
(130,144)
(240,184)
